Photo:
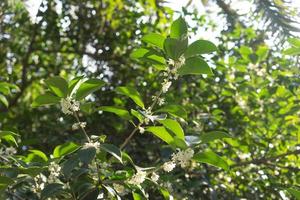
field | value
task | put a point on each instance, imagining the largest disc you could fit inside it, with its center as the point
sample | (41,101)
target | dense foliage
(114,99)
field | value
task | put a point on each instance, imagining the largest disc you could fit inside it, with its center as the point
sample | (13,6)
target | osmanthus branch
(82,128)
(141,123)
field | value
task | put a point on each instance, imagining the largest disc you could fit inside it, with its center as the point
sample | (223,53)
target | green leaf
(174,126)
(113,150)
(174,48)
(154,39)
(138,115)
(86,154)
(200,47)
(88,87)
(137,196)
(45,99)
(292,51)
(179,143)
(73,84)
(294,42)
(175,110)
(70,164)
(213,135)
(122,112)
(148,55)
(64,149)
(211,158)
(6,180)
(165,193)
(51,190)
(58,86)
(4,100)
(195,65)
(160,132)
(294,192)
(9,137)
(131,93)
(178,28)
(39,154)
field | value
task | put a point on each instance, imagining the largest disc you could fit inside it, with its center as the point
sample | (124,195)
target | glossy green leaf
(178,28)
(122,112)
(211,158)
(294,192)
(160,132)
(113,150)
(179,143)
(154,39)
(137,196)
(174,48)
(213,135)
(74,84)
(294,42)
(292,51)
(137,114)
(45,99)
(3,100)
(58,86)
(200,47)
(86,154)
(88,87)
(175,110)
(196,66)
(51,190)
(64,149)
(131,93)
(174,126)
(39,154)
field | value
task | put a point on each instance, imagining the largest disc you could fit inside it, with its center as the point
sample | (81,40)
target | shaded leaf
(178,28)
(131,93)
(58,86)
(211,158)
(113,150)
(213,135)
(160,132)
(174,126)
(175,110)
(195,65)
(45,99)
(122,112)
(51,190)
(174,48)
(154,39)
(200,47)
(88,87)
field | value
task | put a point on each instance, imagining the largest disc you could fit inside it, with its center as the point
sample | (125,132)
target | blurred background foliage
(253,95)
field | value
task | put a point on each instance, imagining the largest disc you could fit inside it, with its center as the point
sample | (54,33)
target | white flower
(171,62)
(96,145)
(141,129)
(166,85)
(169,166)
(78,125)
(54,170)
(183,157)
(69,105)
(154,177)
(8,151)
(119,188)
(138,178)
(161,101)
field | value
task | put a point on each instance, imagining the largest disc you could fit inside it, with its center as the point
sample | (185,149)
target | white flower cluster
(181,157)
(40,181)
(166,85)
(9,151)
(175,65)
(169,166)
(54,170)
(90,144)
(138,178)
(141,129)
(78,125)
(69,105)
(154,177)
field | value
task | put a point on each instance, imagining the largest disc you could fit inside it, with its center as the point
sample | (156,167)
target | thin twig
(83,130)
